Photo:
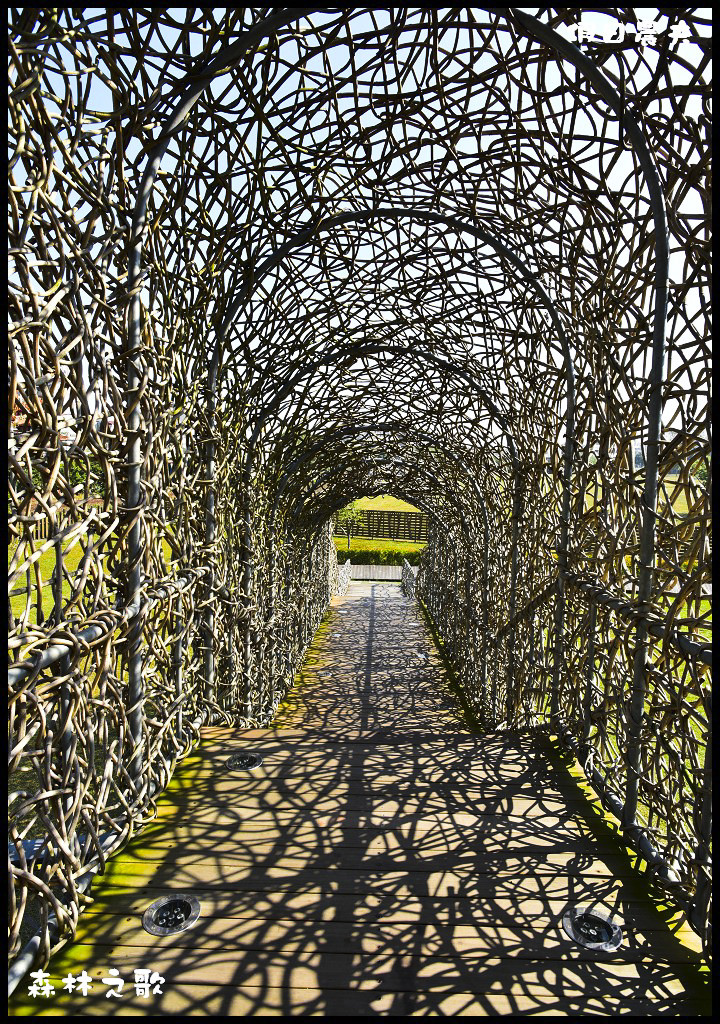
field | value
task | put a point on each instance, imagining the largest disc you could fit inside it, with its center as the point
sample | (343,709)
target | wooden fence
(41,528)
(400,525)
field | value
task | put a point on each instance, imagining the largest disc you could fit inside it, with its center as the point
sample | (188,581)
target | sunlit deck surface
(383,860)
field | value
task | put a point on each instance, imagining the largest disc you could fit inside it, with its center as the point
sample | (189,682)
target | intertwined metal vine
(266,260)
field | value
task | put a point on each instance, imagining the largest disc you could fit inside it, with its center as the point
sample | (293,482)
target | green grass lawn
(47,566)
(72,556)
(672,496)
(386,503)
(689,610)
(375,544)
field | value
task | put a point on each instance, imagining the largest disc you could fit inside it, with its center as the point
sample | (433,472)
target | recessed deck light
(171,914)
(243,761)
(592,930)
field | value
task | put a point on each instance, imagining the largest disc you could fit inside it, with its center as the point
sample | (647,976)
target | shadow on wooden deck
(382,861)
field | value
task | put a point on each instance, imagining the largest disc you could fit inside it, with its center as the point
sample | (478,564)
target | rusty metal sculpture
(265,260)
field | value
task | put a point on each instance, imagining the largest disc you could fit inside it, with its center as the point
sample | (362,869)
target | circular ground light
(592,930)
(171,914)
(243,761)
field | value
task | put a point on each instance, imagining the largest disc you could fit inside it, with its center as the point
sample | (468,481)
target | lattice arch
(267,260)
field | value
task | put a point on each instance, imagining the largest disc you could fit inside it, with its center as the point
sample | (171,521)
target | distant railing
(344,578)
(409,578)
(375,571)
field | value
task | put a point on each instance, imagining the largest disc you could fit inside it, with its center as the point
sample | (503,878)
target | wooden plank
(354,811)
(426,836)
(506,799)
(383,743)
(193,838)
(466,884)
(530,925)
(292,768)
(473,831)
(333,756)
(354,969)
(501,902)
(286,816)
(366,763)
(229,796)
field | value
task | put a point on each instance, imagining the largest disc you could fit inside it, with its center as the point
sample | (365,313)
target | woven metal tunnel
(266,260)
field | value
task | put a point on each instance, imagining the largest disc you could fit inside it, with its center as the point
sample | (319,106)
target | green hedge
(378,556)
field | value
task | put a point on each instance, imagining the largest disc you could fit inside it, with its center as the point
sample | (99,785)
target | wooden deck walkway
(382,861)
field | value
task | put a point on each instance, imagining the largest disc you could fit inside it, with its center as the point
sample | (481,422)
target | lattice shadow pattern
(266,260)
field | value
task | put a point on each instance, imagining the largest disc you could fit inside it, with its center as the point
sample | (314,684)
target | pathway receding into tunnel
(383,859)
(373,669)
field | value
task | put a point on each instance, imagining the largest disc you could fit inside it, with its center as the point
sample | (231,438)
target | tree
(699,470)
(349,517)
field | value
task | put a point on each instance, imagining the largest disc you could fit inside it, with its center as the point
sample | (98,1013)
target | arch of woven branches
(267,260)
